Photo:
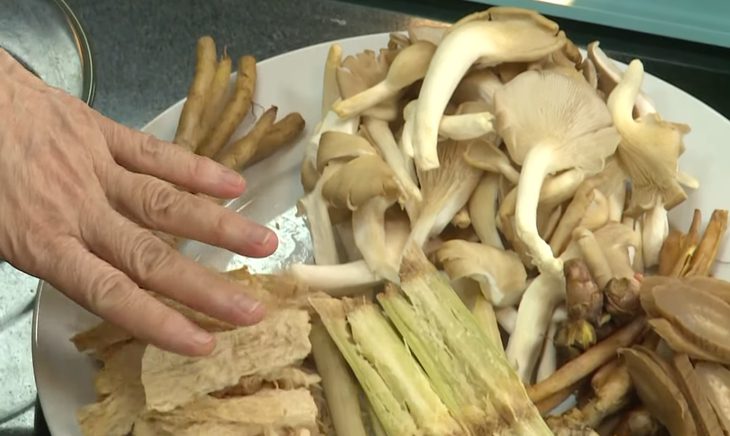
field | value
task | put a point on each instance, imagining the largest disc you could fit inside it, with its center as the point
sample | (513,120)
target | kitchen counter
(143,55)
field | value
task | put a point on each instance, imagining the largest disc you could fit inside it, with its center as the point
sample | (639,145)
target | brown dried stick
(586,363)
(216,99)
(282,133)
(235,110)
(241,151)
(704,257)
(204,71)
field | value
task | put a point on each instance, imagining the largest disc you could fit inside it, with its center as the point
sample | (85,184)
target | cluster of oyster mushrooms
(539,181)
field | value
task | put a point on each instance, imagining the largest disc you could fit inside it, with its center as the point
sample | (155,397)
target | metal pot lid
(47,38)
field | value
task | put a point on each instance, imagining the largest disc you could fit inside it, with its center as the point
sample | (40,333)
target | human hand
(78,195)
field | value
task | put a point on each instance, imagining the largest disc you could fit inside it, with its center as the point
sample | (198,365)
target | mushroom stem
(462,127)
(368,223)
(594,257)
(330,90)
(587,362)
(384,140)
(549,359)
(535,168)
(507,319)
(336,280)
(573,215)
(533,319)
(318,218)
(482,210)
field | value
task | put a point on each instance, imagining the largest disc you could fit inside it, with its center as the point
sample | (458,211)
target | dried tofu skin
(271,411)
(273,290)
(280,340)
(280,378)
(119,381)
(99,337)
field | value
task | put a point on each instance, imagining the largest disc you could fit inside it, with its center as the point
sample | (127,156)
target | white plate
(293,82)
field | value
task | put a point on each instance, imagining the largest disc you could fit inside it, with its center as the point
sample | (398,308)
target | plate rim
(43,285)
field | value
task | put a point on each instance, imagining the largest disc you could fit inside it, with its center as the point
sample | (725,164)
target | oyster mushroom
(335,150)
(483,210)
(565,126)
(500,274)
(383,138)
(470,122)
(533,319)
(485,155)
(330,91)
(427,30)
(409,65)
(445,191)
(594,257)
(658,392)
(485,39)
(361,72)
(608,75)
(654,230)
(479,84)
(649,148)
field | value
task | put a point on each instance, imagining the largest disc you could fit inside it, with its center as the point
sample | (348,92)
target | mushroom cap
(410,64)
(426,30)
(341,147)
(649,149)
(522,35)
(544,106)
(478,84)
(505,13)
(485,155)
(500,273)
(359,180)
(364,70)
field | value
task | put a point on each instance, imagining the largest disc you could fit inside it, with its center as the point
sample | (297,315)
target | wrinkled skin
(79,194)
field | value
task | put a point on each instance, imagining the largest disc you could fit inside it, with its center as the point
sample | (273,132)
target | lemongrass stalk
(392,413)
(381,346)
(446,333)
(339,387)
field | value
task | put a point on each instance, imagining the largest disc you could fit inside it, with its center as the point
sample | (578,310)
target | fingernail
(201,337)
(260,235)
(245,304)
(231,177)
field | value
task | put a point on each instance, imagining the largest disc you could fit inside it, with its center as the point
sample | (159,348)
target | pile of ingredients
(488,210)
